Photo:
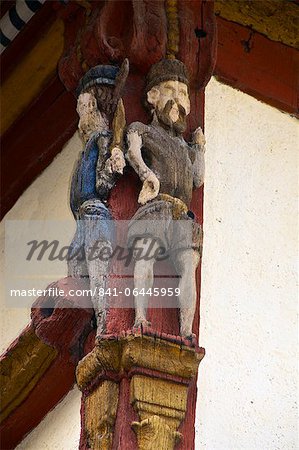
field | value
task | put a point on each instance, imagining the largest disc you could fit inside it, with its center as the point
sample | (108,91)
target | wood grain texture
(152,374)
(166,354)
(278,20)
(258,66)
(21,367)
(98,37)
(272,80)
(100,409)
(51,121)
(138,30)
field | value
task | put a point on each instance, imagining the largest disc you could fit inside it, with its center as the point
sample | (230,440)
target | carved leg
(76,264)
(98,250)
(143,279)
(98,271)
(186,262)
(144,250)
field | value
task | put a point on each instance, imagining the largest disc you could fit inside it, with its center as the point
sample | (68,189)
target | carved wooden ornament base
(158,372)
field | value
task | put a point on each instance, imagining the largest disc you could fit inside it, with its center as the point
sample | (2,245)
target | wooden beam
(256,65)
(278,20)
(45,352)
(34,140)
(243,62)
(21,368)
(31,74)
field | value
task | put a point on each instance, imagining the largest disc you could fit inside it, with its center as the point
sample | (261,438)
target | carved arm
(116,162)
(151,184)
(198,145)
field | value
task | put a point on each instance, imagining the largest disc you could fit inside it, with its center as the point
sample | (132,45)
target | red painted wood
(271,79)
(66,330)
(137,30)
(106,38)
(28,149)
(124,436)
(36,109)
(263,68)
(199,54)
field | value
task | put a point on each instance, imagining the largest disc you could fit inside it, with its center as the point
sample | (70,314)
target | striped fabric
(15,19)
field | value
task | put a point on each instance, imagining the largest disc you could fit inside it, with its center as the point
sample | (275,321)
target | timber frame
(48,115)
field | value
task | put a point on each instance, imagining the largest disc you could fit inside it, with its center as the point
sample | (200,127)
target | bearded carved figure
(169,168)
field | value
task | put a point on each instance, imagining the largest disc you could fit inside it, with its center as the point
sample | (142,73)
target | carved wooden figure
(101,127)
(169,169)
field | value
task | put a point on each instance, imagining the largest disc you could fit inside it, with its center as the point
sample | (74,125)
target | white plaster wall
(247,383)
(248,379)
(60,429)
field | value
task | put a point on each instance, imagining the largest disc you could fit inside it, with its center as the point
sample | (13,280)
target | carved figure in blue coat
(101,126)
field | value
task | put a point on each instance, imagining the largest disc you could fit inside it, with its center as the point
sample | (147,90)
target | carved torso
(169,157)
(88,168)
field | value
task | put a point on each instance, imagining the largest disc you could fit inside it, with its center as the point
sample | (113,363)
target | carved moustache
(180,125)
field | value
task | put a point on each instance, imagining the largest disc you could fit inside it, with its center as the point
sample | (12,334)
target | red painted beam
(65,329)
(54,385)
(35,139)
(251,62)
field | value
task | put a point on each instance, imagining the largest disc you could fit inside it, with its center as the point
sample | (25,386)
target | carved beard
(91,122)
(163,116)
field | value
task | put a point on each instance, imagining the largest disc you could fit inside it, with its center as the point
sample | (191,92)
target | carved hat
(165,70)
(103,75)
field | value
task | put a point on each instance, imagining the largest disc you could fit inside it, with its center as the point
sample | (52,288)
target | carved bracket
(159,372)
(161,406)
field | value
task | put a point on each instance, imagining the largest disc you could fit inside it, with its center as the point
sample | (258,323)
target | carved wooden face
(91,119)
(86,104)
(174,91)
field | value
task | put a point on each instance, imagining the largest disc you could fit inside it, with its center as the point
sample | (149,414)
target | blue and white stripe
(15,19)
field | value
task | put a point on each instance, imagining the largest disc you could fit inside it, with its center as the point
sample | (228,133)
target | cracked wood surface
(278,20)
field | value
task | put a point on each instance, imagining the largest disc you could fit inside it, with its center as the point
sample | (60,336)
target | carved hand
(150,189)
(116,162)
(199,138)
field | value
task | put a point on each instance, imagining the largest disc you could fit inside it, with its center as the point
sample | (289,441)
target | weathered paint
(247,324)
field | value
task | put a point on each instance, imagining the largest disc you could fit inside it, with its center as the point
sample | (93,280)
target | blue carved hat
(98,75)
